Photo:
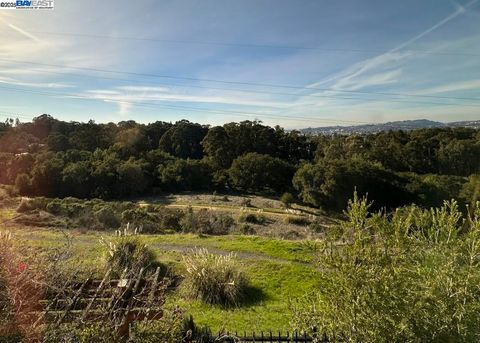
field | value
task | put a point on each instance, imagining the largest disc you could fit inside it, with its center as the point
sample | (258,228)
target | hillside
(405,125)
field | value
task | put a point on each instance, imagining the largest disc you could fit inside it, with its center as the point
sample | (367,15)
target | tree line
(54,158)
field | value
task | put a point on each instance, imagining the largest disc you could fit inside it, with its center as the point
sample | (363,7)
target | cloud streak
(25,33)
(347,78)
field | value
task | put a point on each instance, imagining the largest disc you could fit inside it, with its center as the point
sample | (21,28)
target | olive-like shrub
(408,276)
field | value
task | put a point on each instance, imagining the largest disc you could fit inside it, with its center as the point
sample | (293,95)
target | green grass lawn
(278,270)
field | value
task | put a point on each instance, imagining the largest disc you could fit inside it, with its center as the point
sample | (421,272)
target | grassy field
(278,270)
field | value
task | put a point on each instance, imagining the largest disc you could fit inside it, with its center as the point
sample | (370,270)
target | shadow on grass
(253,296)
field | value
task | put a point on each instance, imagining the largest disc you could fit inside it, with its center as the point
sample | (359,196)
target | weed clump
(214,279)
(128,252)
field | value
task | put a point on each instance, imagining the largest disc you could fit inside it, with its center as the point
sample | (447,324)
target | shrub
(246,202)
(108,218)
(207,222)
(56,207)
(411,276)
(471,189)
(287,199)
(252,218)
(27,205)
(169,220)
(317,226)
(246,229)
(291,234)
(214,279)
(139,217)
(128,252)
(296,220)
(23,184)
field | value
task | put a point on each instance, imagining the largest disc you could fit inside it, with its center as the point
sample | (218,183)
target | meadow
(278,270)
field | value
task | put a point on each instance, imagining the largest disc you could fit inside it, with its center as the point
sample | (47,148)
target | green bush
(214,279)
(411,276)
(471,189)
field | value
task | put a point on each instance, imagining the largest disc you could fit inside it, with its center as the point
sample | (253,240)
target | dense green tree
(90,136)
(104,174)
(432,190)
(131,141)
(155,131)
(47,174)
(218,146)
(184,140)
(57,142)
(131,178)
(459,157)
(256,173)
(330,183)
(107,160)
(185,175)
(76,178)
(23,184)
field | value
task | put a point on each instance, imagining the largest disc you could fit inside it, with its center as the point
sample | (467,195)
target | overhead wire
(234,82)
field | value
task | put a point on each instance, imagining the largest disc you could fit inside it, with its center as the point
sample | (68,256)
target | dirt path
(234,209)
(183,249)
(178,248)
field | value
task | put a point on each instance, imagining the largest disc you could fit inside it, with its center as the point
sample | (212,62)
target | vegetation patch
(409,277)
(302,221)
(214,279)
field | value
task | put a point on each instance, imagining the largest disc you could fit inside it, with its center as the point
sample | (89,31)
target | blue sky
(295,63)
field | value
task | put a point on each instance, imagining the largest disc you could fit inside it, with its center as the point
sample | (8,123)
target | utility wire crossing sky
(292,63)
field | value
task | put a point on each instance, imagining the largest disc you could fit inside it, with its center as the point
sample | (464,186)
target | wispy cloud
(460,10)
(452,87)
(11,81)
(23,32)
(127,96)
(351,77)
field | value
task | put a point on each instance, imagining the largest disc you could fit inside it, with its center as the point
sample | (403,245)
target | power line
(248,45)
(149,105)
(237,82)
(243,90)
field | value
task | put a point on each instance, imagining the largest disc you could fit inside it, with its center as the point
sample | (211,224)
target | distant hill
(405,125)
